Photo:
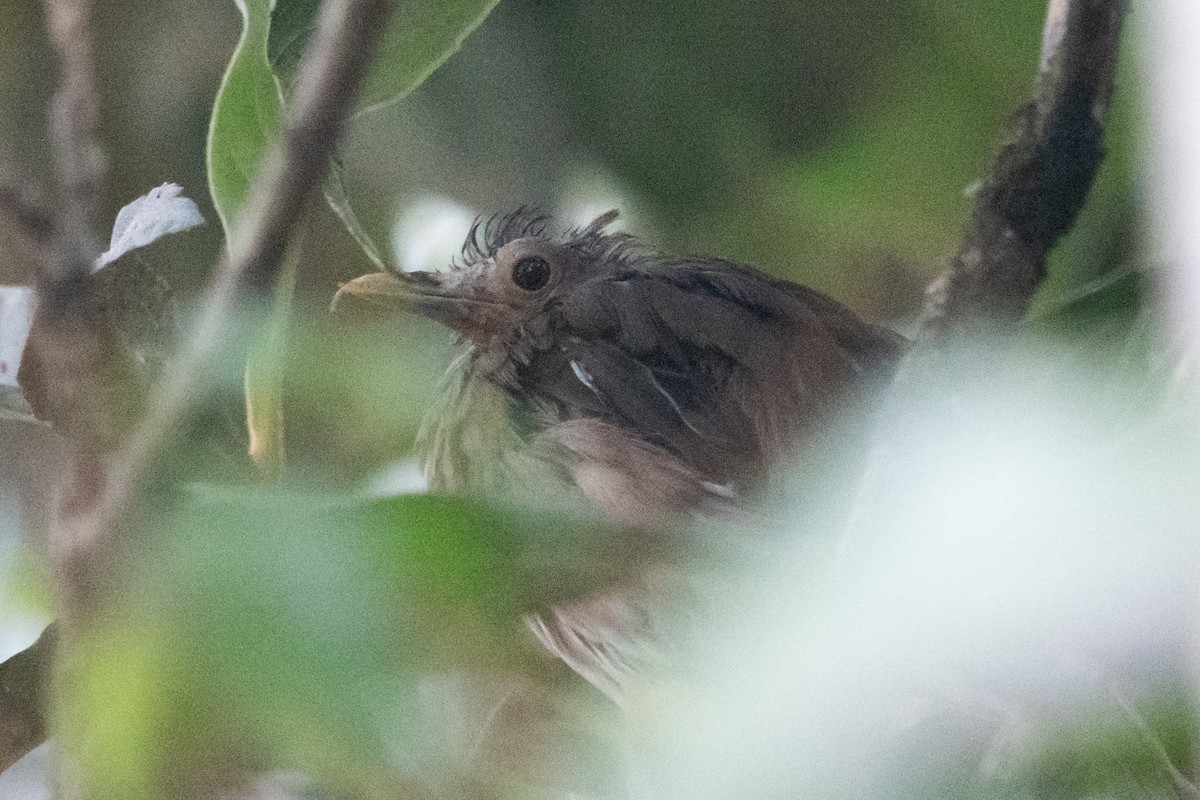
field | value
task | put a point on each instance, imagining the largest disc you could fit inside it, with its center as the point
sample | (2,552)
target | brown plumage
(651,386)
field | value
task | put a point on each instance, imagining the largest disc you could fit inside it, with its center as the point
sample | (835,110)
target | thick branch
(77,372)
(23,681)
(1039,180)
(33,223)
(78,158)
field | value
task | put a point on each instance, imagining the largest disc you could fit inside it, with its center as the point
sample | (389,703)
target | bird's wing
(659,388)
(704,361)
(607,640)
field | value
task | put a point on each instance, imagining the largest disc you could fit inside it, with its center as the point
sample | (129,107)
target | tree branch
(72,348)
(78,158)
(1036,188)
(1039,181)
(1032,196)
(34,224)
(23,682)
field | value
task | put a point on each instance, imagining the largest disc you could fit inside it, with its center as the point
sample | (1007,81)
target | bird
(649,387)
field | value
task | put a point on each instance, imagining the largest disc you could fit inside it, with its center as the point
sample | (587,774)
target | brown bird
(650,386)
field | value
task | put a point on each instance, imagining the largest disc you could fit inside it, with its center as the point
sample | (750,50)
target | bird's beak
(441,296)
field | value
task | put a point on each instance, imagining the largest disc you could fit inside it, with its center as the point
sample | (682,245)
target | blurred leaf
(1110,754)
(264,630)
(507,559)
(422,34)
(1109,319)
(155,214)
(277,630)
(292,22)
(26,584)
(16,316)
(420,37)
(246,116)
(263,377)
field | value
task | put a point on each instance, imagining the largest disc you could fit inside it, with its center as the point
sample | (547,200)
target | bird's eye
(531,273)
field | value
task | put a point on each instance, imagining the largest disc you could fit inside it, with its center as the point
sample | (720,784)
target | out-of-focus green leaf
(1108,317)
(1122,755)
(281,630)
(246,116)
(1109,324)
(420,37)
(262,380)
(251,634)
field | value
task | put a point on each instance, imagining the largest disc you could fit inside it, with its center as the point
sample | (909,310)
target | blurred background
(835,144)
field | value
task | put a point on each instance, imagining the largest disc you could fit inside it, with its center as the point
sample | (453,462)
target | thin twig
(23,680)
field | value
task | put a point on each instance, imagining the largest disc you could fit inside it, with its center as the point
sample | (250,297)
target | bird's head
(510,273)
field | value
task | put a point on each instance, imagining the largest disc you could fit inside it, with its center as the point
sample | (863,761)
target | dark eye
(531,273)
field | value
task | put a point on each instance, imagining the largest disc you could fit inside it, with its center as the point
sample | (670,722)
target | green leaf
(1110,324)
(422,34)
(292,22)
(247,115)
(1108,317)
(247,120)
(286,630)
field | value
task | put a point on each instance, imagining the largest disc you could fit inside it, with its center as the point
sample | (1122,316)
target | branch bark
(1038,182)
(70,339)
(23,683)
(78,157)
(1037,185)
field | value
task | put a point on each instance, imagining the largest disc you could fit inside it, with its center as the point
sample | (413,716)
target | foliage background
(834,144)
